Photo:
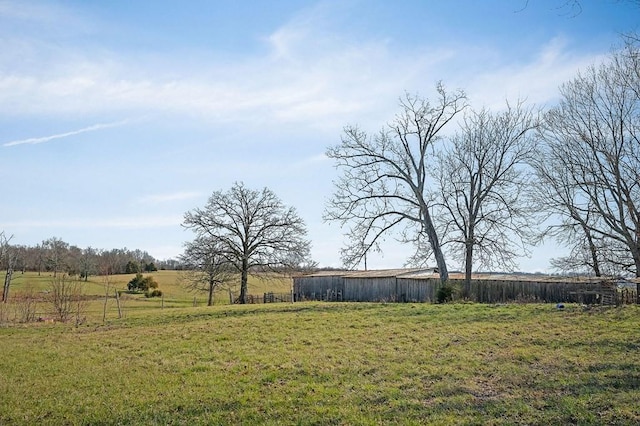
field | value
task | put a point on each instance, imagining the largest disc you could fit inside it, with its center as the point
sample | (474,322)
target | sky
(117,117)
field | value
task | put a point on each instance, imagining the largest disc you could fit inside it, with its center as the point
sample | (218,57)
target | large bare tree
(252,230)
(384,181)
(481,177)
(596,131)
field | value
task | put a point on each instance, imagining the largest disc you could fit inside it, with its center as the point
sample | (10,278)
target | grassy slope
(341,363)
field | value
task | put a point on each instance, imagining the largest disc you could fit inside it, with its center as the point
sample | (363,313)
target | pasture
(171,283)
(328,363)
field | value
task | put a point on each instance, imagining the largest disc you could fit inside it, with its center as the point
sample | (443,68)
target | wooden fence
(421,289)
(269,298)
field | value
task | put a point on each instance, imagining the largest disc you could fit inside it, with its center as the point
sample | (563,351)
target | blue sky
(117,117)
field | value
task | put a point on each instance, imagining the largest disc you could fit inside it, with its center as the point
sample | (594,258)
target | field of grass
(328,363)
(170,282)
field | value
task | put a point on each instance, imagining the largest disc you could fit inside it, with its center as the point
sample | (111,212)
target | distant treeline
(56,256)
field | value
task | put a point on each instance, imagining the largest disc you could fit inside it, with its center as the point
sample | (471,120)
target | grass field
(328,363)
(174,292)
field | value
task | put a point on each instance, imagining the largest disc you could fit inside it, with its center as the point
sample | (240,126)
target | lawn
(328,363)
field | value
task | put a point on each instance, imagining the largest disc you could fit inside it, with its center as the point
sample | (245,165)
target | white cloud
(310,74)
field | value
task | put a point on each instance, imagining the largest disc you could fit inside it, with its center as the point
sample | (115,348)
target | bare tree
(384,182)
(558,199)
(481,177)
(590,254)
(67,299)
(596,130)
(87,263)
(252,230)
(108,265)
(7,259)
(206,268)
(56,254)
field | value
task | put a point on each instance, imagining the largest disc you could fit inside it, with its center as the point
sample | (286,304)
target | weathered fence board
(376,286)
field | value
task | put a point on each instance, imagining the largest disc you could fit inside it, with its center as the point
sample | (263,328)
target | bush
(149,282)
(445,293)
(140,283)
(154,293)
(134,284)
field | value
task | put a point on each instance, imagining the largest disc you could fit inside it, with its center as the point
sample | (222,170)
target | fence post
(118,303)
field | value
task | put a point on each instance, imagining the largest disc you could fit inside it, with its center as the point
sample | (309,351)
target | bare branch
(383,183)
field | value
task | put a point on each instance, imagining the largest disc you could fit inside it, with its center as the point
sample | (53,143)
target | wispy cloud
(309,73)
(34,12)
(33,141)
(537,80)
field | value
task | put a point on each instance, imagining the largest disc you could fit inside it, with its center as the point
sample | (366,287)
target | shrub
(154,293)
(149,282)
(134,284)
(67,300)
(445,293)
(140,283)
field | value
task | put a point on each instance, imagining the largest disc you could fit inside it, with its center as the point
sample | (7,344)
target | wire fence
(269,298)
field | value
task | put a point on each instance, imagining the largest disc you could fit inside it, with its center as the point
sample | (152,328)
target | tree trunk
(104,307)
(211,288)
(435,245)
(7,282)
(243,281)
(468,265)
(594,255)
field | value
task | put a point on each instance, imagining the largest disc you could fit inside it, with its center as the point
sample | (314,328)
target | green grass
(176,295)
(320,363)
